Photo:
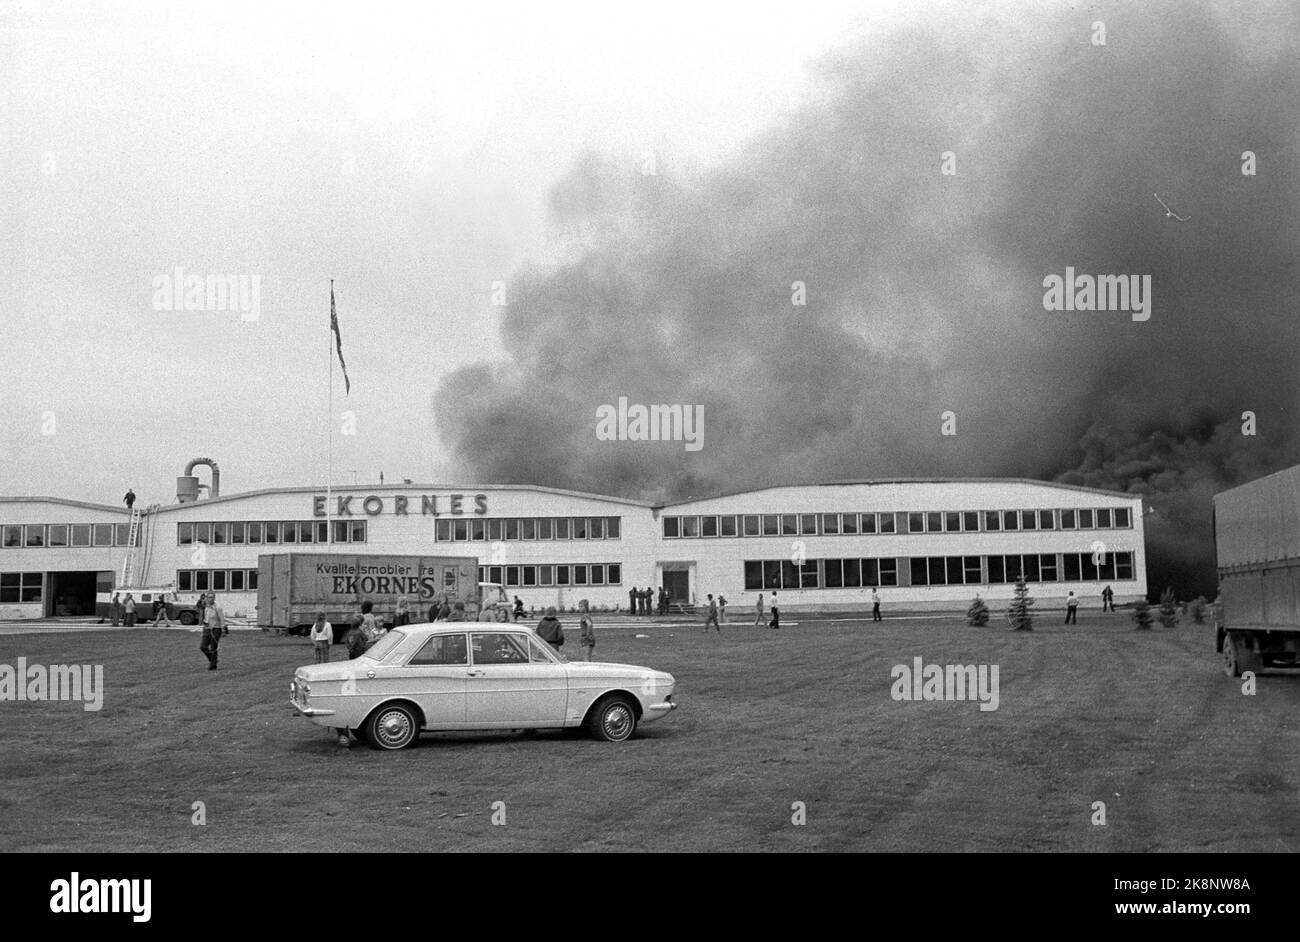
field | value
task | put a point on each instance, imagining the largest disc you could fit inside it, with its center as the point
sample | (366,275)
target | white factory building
(922,544)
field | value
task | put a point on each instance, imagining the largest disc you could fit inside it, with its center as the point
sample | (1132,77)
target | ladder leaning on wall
(132,544)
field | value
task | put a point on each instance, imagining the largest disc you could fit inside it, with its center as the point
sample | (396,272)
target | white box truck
(292,587)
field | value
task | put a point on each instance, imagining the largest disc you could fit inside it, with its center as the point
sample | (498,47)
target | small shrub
(1168,608)
(978,613)
(1018,614)
(1142,614)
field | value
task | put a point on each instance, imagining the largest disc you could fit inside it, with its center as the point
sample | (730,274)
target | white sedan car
(472,676)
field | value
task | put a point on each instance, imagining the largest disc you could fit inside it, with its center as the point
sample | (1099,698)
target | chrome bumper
(310,711)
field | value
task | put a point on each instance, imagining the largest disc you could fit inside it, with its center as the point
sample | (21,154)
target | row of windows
(1036,567)
(933,521)
(270,531)
(544,575)
(64,534)
(786,574)
(216,580)
(528,528)
(937,570)
(20,586)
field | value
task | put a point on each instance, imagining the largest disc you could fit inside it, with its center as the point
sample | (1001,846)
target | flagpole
(329,424)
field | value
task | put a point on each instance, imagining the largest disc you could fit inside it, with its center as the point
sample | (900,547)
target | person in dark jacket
(550,630)
(129,499)
(632,597)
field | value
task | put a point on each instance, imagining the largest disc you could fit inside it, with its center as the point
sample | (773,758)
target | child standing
(586,631)
(322,633)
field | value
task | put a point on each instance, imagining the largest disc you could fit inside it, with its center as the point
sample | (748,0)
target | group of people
(644,602)
(551,631)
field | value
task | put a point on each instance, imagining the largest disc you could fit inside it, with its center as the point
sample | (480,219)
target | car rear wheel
(189,618)
(392,727)
(613,719)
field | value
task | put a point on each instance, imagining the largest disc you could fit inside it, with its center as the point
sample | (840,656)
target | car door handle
(473,673)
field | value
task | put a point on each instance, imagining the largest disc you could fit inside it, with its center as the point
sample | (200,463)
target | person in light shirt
(322,633)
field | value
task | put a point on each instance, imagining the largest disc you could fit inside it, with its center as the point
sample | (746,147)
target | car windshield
(379,650)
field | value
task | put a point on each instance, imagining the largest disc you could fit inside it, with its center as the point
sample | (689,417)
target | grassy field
(1145,722)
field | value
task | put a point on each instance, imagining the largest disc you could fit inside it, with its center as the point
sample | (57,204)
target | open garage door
(72,594)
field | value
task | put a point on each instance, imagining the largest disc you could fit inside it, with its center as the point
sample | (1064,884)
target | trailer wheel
(1231,656)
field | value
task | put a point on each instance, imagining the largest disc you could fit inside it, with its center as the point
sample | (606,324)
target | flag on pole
(338,342)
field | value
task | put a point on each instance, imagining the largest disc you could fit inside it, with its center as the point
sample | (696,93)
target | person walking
(129,499)
(1108,599)
(758,618)
(776,614)
(875,605)
(214,623)
(550,630)
(160,611)
(1071,609)
(128,607)
(711,618)
(586,630)
(403,614)
(722,608)
(115,609)
(322,633)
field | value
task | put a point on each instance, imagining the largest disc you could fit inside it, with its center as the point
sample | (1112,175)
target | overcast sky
(421,155)
(407,151)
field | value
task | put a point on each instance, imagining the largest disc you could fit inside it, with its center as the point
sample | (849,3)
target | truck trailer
(1257,545)
(292,587)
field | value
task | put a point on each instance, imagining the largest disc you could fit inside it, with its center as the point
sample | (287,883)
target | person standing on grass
(722,608)
(160,611)
(550,630)
(403,614)
(712,617)
(1108,599)
(129,608)
(1071,609)
(214,623)
(875,606)
(758,618)
(776,614)
(322,633)
(586,631)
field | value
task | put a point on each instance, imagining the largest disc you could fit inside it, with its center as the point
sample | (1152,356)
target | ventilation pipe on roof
(187,485)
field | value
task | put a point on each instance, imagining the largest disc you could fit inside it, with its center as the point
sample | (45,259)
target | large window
(20,587)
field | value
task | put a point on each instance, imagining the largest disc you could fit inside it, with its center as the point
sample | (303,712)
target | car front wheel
(392,727)
(613,720)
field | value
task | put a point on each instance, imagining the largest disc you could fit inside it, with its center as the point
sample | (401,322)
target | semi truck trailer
(1257,547)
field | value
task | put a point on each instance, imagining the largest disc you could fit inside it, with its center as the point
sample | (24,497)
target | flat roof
(541,489)
(873,481)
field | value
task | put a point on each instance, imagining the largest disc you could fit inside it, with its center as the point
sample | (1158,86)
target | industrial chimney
(187,485)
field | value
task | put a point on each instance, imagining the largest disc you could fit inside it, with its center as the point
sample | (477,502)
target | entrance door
(678,584)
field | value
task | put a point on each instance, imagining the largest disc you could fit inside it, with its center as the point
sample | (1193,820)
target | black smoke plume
(924,291)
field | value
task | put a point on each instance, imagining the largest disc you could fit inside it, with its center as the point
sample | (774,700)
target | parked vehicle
(292,587)
(1257,543)
(473,676)
(182,607)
